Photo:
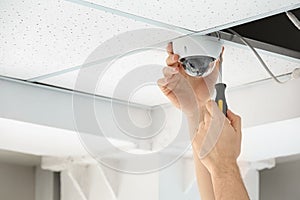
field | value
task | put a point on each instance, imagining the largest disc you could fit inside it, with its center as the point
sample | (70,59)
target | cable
(218,35)
(293,19)
(258,56)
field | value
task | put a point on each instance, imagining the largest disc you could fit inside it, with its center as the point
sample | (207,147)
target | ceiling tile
(199,15)
(40,37)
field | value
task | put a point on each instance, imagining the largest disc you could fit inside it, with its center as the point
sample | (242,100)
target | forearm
(204,181)
(203,176)
(228,184)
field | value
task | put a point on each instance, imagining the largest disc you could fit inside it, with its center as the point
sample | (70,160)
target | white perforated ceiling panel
(199,15)
(39,37)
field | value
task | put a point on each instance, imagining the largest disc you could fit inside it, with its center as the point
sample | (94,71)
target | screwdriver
(220,90)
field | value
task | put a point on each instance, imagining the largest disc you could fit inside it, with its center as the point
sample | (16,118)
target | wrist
(225,169)
(195,117)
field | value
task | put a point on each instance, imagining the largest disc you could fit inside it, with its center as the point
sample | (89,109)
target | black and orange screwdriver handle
(220,97)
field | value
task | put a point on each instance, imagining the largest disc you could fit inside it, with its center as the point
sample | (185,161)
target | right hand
(186,92)
(218,139)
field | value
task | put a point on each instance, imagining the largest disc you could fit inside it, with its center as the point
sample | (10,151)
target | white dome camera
(198,53)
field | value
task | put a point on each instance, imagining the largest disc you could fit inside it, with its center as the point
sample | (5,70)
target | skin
(191,95)
(221,160)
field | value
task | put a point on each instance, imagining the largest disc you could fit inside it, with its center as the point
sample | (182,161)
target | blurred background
(71,82)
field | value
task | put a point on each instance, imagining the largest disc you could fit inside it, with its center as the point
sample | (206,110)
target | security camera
(197,53)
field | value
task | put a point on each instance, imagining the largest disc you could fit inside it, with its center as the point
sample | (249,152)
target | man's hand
(218,140)
(189,94)
(186,92)
(218,145)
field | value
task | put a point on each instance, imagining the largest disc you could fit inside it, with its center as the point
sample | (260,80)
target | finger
(168,93)
(170,48)
(173,98)
(162,82)
(215,73)
(172,59)
(211,107)
(206,117)
(219,61)
(163,87)
(221,54)
(235,120)
(169,72)
(216,114)
(211,79)
(199,136)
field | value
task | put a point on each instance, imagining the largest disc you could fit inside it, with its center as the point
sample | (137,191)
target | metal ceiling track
(75,92)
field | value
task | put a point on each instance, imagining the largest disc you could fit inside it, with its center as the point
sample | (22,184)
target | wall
(47,185)
(16,182)
(281,182)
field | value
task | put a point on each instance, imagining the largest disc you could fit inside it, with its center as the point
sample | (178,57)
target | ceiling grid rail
(187,32)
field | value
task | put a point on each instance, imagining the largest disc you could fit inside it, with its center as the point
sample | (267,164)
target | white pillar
(46,185)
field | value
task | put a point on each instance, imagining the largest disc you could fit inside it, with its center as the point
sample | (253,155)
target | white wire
(258,57)
(293,19)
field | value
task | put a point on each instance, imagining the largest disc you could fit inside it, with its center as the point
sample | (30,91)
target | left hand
(186,92)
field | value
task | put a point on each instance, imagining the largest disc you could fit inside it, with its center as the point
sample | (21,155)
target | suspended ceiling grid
(198,15)
(39,37)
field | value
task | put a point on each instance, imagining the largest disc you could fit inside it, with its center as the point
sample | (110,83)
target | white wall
(47,185)
(16,182)
(281,182)
(92,182)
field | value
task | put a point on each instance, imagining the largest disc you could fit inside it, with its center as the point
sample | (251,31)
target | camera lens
(198,65)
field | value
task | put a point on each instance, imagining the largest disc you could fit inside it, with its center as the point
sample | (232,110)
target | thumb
(207,118)
(198,138)
(235,120)
(203,128)
(213,109)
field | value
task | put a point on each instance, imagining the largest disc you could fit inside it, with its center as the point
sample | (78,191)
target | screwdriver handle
(220,97)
